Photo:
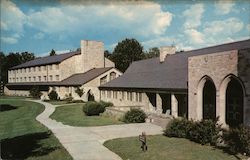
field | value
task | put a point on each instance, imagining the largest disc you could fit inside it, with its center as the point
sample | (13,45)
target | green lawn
(164,148)
(22,137)
(74,116)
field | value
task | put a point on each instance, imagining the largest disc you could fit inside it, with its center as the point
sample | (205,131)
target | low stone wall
(118,112)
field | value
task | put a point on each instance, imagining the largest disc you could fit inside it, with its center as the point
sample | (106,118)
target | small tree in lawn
(79,91)
(35,92)
(53,95)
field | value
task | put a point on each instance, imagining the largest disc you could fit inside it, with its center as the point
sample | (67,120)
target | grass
(163,148)
(74,116)
(62,102)
(22,137)
(12,97)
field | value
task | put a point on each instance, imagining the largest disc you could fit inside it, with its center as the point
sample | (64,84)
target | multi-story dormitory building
(87,69)
(199,84)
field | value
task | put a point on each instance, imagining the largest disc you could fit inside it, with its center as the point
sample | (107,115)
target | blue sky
(39,26)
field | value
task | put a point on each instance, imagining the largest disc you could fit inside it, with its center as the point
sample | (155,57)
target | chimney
(165,51)
(92,53)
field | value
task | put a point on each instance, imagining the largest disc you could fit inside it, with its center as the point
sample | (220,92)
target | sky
(39,26)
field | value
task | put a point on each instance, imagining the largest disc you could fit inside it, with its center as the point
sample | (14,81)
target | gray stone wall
(244,74)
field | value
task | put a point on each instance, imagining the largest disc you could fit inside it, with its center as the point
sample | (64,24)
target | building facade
(64,73)
(199,84)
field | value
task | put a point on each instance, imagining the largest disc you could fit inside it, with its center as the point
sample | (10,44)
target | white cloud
(193,16)
(195,36)
(12,18)
(223,7)
(248,27)
(146,18)
(39,35)
(226,27)
(9,40)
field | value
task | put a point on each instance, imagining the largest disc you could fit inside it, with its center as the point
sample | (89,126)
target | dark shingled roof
(172,74)
(47,60)
(74,80)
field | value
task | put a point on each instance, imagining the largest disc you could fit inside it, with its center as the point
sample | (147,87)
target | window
(34,79)
(112,75)
(103,80)
(57,77)
(57,66)
(128,96)
(24,70)
(50,67)
(140,97)
(67,89)
(21,79)
(39,78)
(34,69)
(29,69)
(21,70)
(29,79)
(115,94)
(25,79)
(39,68)
(109,94)
(17,71)
(16,79)
(123,95)
(45,78)
(9,79)
(51,78)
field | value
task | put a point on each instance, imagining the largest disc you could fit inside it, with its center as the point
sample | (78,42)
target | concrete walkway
(86,143)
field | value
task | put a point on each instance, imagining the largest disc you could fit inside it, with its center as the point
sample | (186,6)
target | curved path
(86,143)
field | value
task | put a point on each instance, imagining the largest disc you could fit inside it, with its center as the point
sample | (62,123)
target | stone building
(199,84)
(85,69)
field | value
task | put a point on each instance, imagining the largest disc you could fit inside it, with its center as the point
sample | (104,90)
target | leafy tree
(153,52)
(35,92)
(52,52)
(53,95)
(126,52)
(107,54)
(79,91)
(26,56)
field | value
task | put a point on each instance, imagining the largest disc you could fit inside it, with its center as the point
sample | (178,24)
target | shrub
(93,108)
(238,139)
(134,116)
(178,128)
(69,98)
(204,132)
(79,91)
(53,95)
(35,92)
(106,104)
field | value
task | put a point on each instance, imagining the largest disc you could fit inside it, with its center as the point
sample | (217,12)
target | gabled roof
(74,80)
(82,78)
(47,60)
(172,74)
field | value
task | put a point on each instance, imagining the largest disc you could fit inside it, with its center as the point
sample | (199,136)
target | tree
(26,56)
(153,52)
(107,54)
(35,92)
(79,91)
(126,52)
(52,52)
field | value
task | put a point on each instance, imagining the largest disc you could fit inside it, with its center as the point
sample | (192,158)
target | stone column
(158,104)
(174,105)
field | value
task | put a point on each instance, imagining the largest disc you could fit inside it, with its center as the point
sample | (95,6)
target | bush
(93,108)
(35,92)
(68,98)
(134,116)
(178,128)
(106,104)
(238,139)
(79,91)
(203,132)
(53,95)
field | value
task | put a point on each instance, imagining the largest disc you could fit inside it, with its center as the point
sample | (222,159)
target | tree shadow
(25,146)
(227,151)
(6,107)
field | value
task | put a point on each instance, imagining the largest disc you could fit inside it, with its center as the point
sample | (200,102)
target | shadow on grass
(6,107)
(25,146)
